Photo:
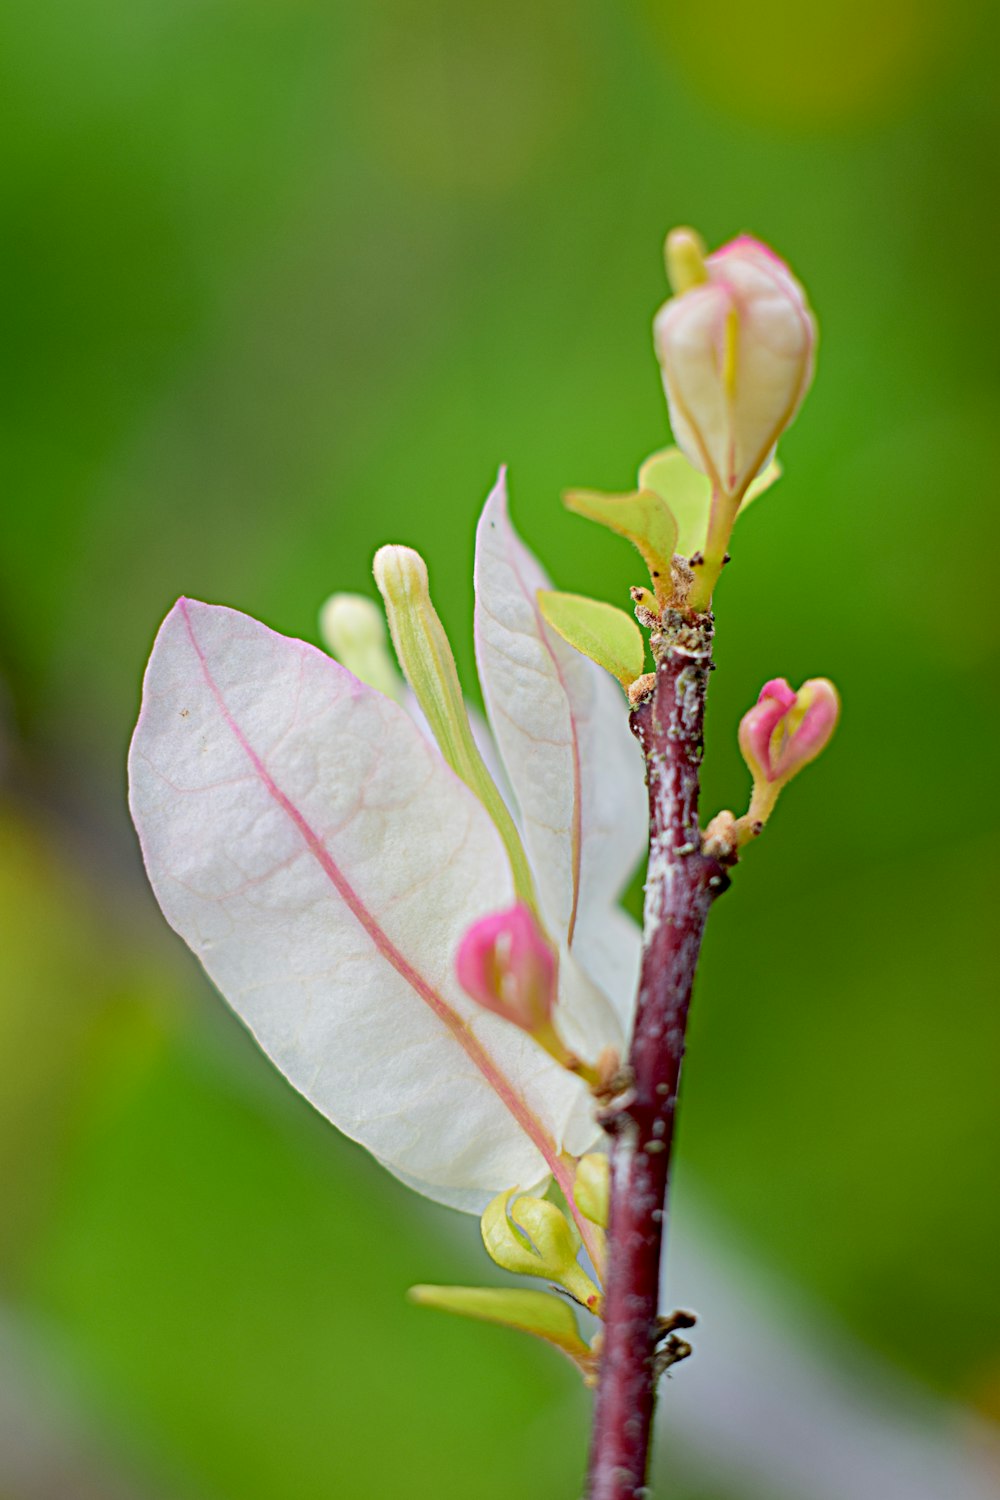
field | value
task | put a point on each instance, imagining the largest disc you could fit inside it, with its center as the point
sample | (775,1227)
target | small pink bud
(736,345)
(505,964)
(758,725)
(785,730)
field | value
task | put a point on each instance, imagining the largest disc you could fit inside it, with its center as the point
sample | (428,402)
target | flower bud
(353,630)
(425,655)
(534,1239)
(505,965)
(783,732)
(736,346)
(591,1187)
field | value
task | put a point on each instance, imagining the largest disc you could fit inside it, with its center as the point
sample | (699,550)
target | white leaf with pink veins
(323,862)
(575,768)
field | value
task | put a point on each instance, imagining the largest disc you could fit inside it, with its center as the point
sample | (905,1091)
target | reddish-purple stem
(681,885)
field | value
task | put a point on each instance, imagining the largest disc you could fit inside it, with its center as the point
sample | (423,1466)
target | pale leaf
(322,861)
(561,725)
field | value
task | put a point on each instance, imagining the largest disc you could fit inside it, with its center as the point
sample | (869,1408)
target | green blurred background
(284,280)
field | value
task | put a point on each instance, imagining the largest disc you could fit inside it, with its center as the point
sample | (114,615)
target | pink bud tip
(785,730)
(505,964)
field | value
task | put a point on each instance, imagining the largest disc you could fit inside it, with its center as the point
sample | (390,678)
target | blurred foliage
(287,280)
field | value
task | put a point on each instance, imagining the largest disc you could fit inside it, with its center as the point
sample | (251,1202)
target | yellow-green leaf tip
(645,518)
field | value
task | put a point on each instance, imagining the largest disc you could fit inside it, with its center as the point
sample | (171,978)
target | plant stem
(681,885)
(720,525)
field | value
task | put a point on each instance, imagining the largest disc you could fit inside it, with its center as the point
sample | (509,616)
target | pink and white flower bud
(505,964)
(736,346)
(785,730)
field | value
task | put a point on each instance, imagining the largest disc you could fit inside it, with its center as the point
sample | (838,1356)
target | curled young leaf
(531,1237)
